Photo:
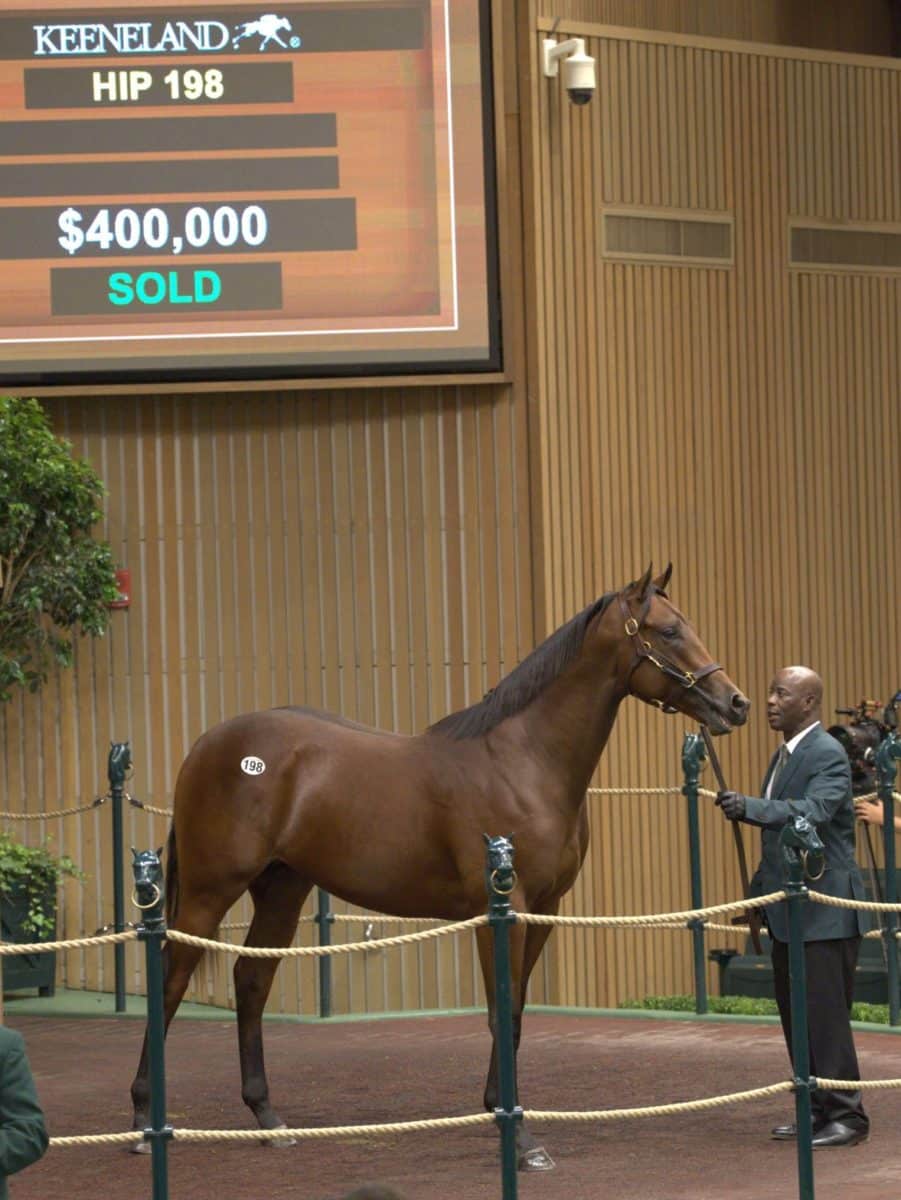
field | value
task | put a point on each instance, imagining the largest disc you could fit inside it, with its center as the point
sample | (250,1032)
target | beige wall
(740,420)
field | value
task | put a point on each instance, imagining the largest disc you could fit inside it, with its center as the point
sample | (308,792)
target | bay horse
(279,801)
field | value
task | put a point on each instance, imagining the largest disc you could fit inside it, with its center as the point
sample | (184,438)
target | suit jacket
(815,783)
(23,1135)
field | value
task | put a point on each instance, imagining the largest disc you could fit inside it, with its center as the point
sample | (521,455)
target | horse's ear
(134,854)
(661,581)
(640,587)
(159,852)
(487,839)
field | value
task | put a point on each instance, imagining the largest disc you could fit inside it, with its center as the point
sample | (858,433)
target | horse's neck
(569,724)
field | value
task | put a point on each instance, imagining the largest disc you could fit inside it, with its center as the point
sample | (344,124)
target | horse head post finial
(118,763)
(499,873)
(148,890)
(693,759)
(799,841)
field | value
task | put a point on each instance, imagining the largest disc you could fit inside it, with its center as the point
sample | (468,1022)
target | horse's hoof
(537,1159)
(277,1143)
(141,1147)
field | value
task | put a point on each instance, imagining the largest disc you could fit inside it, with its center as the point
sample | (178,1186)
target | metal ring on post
(503,891)
(812,878)
(156,898)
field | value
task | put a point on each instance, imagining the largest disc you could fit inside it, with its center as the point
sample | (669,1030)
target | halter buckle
(631,627)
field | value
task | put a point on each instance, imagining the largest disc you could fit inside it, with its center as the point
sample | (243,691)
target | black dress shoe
(837,1133)
(784,1133)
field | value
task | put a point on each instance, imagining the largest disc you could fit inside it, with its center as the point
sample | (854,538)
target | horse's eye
(671,631)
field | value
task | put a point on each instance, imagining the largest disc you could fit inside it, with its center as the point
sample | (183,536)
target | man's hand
(732,804)
(868,812)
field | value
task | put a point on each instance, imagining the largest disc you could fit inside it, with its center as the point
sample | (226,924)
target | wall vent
(851,249)
(689,239)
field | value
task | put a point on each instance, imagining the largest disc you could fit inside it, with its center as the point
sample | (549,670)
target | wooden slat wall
(864,27)
(361,551)
(741,421)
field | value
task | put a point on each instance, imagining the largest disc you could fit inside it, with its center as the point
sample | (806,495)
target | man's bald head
(794,700)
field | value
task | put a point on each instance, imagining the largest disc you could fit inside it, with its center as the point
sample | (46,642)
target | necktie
(781,759)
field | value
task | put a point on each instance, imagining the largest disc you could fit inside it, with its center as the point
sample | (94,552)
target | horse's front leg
(179,961)
(524,952)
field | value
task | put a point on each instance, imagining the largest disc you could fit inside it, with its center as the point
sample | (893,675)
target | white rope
(651,920)
(176,935)
(8,949)
(863,905)
(662,1110)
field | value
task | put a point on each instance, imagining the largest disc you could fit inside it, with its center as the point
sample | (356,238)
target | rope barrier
(107,939)
(268,1135)
(651,920)
(159,812)
(851,1085)
(674,920)
(57,812)
(662,1110)
(402,939)
(437,1123)
(863,905)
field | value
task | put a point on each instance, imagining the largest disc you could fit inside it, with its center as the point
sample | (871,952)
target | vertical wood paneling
(349,550)
(733,415)
(863,27)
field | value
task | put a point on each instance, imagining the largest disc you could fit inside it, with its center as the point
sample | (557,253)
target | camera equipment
(861,735)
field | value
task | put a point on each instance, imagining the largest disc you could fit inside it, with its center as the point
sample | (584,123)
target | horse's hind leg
(278,896)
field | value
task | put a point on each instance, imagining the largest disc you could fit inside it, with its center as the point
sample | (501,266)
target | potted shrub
(30,877)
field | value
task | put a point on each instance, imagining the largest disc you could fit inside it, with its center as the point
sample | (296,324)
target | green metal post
(118,765)
(324,919)
(886,755)
(149,897)
(692,757)
(501,880)
(797,895)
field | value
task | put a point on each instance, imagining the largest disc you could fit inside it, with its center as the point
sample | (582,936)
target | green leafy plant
(747,1006)
(54,576)
(30,876)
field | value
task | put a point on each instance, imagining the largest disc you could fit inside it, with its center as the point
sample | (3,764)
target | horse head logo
(268,29)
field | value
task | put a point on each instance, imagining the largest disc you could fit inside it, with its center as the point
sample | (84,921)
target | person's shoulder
(10,1039)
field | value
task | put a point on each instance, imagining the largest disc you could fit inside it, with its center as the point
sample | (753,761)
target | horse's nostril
(740,703)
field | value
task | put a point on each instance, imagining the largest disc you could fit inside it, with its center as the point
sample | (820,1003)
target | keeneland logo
(169,37)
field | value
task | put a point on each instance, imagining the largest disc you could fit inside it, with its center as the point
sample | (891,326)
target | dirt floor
(406,1069)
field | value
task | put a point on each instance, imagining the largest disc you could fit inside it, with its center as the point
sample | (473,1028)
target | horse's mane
(526,682)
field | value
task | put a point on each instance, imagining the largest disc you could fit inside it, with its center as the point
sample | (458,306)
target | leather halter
(645,651)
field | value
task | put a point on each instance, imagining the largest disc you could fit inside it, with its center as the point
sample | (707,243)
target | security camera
(578,67)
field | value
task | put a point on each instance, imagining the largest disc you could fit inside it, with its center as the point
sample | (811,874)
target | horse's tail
(171,878)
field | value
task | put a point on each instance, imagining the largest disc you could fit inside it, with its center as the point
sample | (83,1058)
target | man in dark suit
(23,1136)
(810,776)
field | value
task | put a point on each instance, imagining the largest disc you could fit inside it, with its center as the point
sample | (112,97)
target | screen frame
(393,371)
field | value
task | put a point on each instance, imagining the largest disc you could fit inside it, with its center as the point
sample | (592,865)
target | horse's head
(665,663)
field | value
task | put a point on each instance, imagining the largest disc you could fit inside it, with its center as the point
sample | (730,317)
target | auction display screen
(193,190)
